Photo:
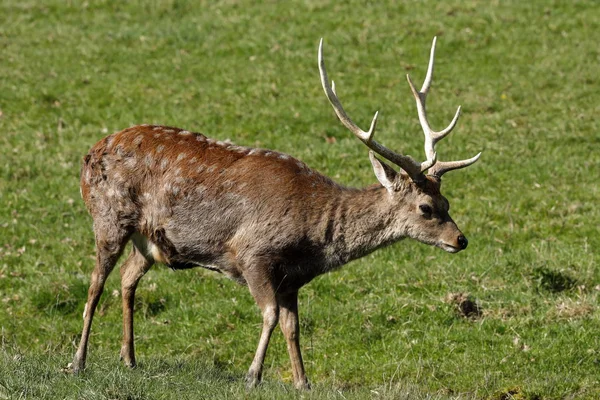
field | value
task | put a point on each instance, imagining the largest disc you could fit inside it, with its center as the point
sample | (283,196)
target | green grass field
(527,75)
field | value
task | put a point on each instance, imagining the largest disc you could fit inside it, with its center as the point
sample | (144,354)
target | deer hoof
(252,381)
(302,385)
(76,367)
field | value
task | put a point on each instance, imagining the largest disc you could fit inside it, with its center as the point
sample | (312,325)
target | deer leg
(132,271)
(264,294)
(107,254)
(288,313)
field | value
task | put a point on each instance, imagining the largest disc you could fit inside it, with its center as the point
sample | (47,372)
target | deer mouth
(449,248)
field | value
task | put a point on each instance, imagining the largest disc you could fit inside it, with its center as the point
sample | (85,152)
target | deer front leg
(132,271)
(263,292)
(288,313)
(270,317)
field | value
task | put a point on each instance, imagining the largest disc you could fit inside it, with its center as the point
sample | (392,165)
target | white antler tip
(411,84)
(373,126)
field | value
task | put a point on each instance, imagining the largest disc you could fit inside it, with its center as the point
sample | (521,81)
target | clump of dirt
(515,393)
(466,305)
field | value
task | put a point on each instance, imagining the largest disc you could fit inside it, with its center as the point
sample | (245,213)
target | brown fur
(261,217)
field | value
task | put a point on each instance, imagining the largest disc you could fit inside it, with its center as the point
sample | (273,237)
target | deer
(260,217)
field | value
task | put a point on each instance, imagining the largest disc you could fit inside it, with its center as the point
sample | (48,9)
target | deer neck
(363,221)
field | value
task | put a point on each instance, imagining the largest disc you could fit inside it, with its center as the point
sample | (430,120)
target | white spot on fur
(144,125)
(237,149)
(253,152)
(148,160)
(284,156)
(179,179)
(181,156)
(200,138)
(211,168)
(228,185)
(160,148)
(163,164)
(168,131)
(192,160)
(200,168)
(156,253)
(138,140)
(184,132)
(156,135)
(130,162)
(157,128)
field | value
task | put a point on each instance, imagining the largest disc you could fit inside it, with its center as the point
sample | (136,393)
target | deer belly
(172,259)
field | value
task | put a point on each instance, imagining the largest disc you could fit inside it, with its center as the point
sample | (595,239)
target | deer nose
(462,242)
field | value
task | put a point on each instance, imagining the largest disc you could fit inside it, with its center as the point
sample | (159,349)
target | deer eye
(426,210)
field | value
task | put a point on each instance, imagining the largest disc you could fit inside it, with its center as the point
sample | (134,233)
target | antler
(412,168)
(432,137)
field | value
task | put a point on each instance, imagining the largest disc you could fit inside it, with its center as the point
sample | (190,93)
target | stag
(260,217)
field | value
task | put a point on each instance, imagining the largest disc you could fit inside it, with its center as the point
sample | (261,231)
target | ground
(389,325)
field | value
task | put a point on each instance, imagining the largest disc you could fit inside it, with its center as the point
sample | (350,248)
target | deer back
(212,203)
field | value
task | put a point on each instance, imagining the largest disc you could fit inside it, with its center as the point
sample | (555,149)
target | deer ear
(384,173)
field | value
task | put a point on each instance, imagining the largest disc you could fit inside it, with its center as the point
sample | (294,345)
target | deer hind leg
(132,270)
(289,323)
(109,247)
(263,292)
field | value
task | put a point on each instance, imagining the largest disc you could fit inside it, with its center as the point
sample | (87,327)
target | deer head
(415,190)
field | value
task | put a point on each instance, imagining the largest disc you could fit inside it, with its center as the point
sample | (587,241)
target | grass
(387,326)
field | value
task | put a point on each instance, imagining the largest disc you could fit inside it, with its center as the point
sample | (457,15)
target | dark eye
(426,210)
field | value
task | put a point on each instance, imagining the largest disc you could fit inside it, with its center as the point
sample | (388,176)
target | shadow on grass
(553,281)
(60,298)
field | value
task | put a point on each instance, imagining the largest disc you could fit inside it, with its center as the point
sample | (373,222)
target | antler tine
(431,136)
(337,106)
(441,167)
(429,76)
(412,167)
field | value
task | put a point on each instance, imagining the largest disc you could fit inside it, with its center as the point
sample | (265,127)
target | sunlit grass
(389,325)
